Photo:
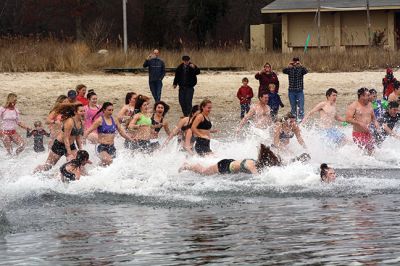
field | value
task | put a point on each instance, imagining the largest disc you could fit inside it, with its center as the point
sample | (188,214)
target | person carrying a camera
(296,72)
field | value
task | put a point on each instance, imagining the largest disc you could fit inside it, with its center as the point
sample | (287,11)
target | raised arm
(246,118)
(316,108)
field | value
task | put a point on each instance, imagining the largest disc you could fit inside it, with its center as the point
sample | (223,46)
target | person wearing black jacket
(186,77)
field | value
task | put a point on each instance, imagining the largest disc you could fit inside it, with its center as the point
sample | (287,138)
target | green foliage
(202,17)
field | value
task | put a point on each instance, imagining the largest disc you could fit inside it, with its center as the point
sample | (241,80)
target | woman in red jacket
(265,77)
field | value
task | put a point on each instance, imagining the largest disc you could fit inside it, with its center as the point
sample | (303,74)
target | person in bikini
(266,158)
(260,112)
(285,130)
(128,110)
(328,116)
(54,120)
(158,121)
(73,169)
(184,131)
(361,115)
(201,128)
(71,132)
(9,120)
(106,127)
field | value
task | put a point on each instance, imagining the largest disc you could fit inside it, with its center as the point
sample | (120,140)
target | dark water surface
(59,229)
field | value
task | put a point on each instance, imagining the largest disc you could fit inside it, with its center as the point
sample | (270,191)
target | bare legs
(105,158)
(197,168)
(17,139)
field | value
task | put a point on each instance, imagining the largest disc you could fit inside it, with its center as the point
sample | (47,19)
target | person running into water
(244,94)
(140,127)
(395,95)
(91,113)
(261,113)
(379,106)
(128,110)
(387,122)
(81,92)
(388,83)
(285,130)
(53,119)
(9,118)
(158,121)
(327,173)
(266,158)
(38,133)
(183,129)
(328,116)
(361,115)
(73,169)
(71,132)
(201,128)
(106,127)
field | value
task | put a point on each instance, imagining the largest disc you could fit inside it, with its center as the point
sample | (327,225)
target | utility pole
(319,24)
(369,23)
(125,26)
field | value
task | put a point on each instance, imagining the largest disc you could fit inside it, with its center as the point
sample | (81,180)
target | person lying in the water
(73,169)
(266,158)
(327,174)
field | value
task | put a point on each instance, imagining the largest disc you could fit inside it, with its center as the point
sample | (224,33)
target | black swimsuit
(205,124)
(67,176)
(155,123)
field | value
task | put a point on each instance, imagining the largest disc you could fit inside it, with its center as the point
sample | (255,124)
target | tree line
(162,23)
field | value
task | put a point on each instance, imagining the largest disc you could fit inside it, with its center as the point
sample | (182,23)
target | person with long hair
(106,127)
(53,119)
(73,169)
(201,128)
(158,122)
(266,76)
(285,130)
(140,126)
(91,113)
(184,131)
(266,158)
(9,117)
(81,92)
(128,110)
(327,173)
(71,131)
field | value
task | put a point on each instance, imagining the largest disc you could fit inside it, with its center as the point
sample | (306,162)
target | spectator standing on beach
(244,94)
(266,76)
(388,83)
(274,101)
(156,73)
(296,72)
(186,77)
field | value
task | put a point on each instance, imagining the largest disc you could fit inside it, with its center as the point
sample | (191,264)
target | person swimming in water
(266,158)
(73,169)
(327,173)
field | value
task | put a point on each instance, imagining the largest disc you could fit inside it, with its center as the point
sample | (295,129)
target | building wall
(302,24)
(354,26)
(261,37)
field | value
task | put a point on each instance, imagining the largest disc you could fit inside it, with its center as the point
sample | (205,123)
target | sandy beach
(38,91)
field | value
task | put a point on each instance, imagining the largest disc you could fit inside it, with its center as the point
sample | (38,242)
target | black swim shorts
(109,148)
(223,166)
(59,148)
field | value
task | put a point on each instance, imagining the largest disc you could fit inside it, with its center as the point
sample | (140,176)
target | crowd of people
(77,118)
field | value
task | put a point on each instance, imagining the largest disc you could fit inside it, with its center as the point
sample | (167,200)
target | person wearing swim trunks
(328,116)
(140,127)
(361,115)
(128,110)
(106,127)
(184,131)
(72,170)
(327,173)
(260,112)
(91,113)
(201,128)
(53,119)
(71,131)
(158,122)
(285,130)
(266,158)
(9,118)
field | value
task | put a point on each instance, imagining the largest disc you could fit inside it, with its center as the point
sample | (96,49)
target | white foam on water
(157,175)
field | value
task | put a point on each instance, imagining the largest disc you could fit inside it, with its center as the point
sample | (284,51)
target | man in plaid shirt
(296,71)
